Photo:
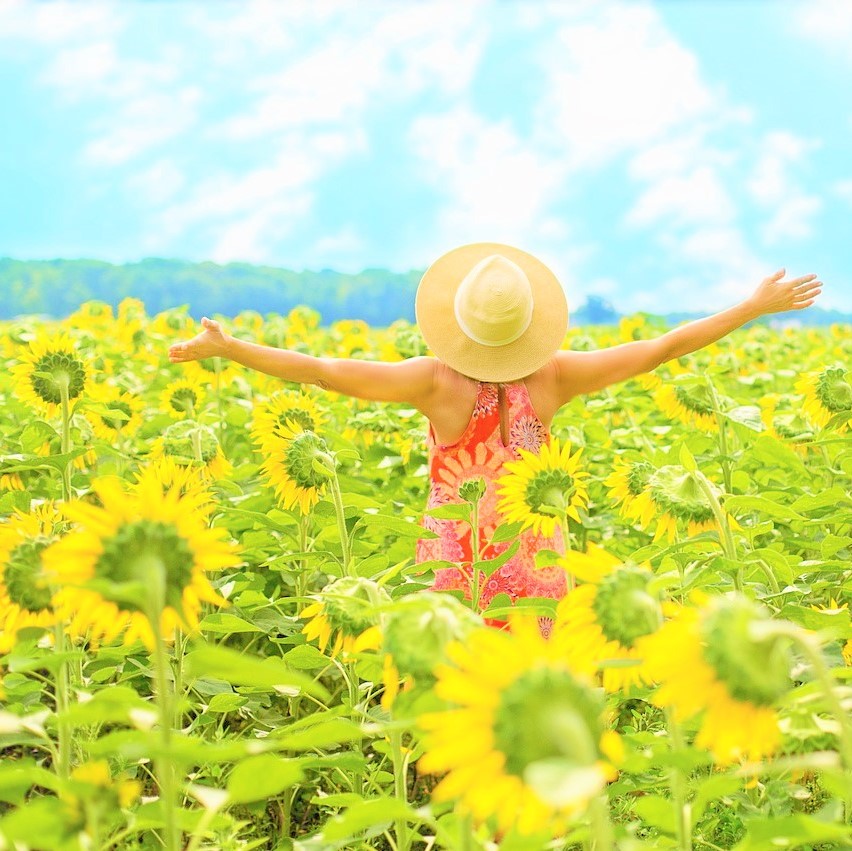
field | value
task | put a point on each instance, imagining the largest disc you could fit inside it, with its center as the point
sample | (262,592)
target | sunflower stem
(476,553)
(165,769)
(65,446)
(677,782)
(337,498)
(725,536)
(63,730)
(566,538)
(400,766)
(723,437)
(601,826)
(302,578)
(217,366)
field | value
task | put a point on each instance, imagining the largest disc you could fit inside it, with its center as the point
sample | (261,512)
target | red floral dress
(480,452)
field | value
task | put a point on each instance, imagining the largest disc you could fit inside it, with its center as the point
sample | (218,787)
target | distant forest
(56,288)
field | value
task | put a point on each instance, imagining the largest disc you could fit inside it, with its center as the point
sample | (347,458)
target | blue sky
(663,155)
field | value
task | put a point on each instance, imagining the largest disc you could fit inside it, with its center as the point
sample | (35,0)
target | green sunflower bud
(353,604)
(472,490)
(754,669)
(419,628)
(549,492)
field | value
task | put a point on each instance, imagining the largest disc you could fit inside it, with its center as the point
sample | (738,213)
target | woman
(495,317)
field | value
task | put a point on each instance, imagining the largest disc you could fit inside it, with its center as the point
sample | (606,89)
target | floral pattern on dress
(527,433)
(481,452)
(486,401)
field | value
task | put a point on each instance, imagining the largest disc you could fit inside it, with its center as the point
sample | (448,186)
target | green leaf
(491,565)
(746,415)
(658,812)
(789,832)
(451,511)
(226,623)
(261,777)
(687,459)
(710,788)
(506,532)
(366,814)
(324,733)
(761,504)
(244,669)
(227,701)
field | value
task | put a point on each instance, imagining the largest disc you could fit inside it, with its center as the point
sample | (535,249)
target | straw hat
(491,311)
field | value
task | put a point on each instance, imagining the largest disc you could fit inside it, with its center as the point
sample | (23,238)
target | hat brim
(434,307)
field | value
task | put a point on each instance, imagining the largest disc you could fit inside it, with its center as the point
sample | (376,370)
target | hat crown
(494,302)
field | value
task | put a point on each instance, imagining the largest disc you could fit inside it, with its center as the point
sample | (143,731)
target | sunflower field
(214,634)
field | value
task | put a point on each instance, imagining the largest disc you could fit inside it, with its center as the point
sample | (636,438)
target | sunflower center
(637,477)
(753,669)
(546,714)
(117,422)
(299,456)
(695,398)
(184,399)
(129,554)
(549,492)
(189,440)
(22,576)
(623,607)
(350,604)
(298,416)
(55,370)
(834,391)
(677,492)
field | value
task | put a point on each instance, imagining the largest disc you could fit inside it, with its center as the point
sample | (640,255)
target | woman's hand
(774,295)
(211,342)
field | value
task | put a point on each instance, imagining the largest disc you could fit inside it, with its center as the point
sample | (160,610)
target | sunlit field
(213,634)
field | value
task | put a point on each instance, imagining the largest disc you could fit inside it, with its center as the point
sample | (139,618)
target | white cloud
(828,22)
(843,189)
(693,198)
(774,188)
(59,21)
(616,81)
(497,186)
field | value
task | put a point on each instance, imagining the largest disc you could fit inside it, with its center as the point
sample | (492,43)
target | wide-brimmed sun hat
(491,311)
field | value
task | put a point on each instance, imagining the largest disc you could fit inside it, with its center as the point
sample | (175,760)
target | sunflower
(712,658)
(688,400)
(297,464)
(183,398)
(828,394)
(602,619)
(137,539)
(271,418)
(191,444)
(523,741)
(346,616)
(51,364)
(126,407)
(24,593)
(669,495)
(540,490)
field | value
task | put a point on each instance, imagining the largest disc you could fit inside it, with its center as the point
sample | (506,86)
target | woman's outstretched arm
(408,381)
(586,372)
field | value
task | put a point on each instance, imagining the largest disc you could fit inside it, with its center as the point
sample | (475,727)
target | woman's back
(500,421)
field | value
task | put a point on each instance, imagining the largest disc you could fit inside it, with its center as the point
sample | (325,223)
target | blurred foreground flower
(523,743)
(714,659)
(145,548)
(602,619)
